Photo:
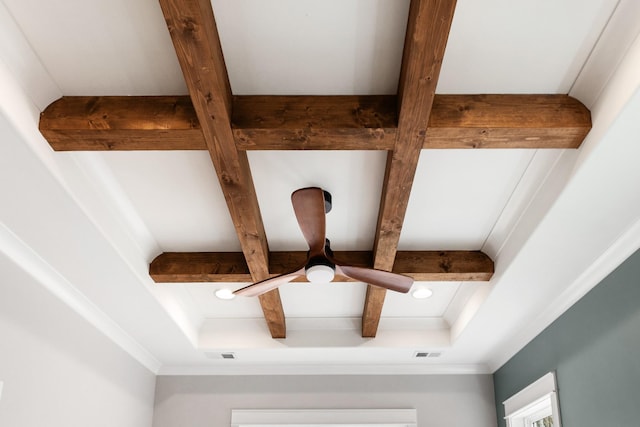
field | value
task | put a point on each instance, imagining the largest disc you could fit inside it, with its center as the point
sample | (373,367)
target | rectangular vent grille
(424,354)
(214,355)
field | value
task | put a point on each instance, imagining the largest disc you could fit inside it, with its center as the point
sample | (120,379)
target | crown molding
(229,367)
(24,257)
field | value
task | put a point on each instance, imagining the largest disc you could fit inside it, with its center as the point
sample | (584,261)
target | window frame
(535,401)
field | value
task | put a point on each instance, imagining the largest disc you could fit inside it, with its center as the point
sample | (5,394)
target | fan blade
(308,204)
(383,279)
(266,285)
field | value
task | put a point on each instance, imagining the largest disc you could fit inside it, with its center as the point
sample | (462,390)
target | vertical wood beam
(425,42)
(192,26)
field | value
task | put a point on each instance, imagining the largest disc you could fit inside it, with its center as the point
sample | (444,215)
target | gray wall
(594,348)
(58,370)
(440,400)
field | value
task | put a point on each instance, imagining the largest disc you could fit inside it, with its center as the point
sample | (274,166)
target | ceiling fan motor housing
(319,269)
(327,201)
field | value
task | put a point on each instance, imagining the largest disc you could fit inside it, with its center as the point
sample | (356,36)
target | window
(535,406)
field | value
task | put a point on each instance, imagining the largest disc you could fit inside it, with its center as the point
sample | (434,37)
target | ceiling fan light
(320,273)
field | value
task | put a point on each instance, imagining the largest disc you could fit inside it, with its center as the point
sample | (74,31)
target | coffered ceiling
(491,170)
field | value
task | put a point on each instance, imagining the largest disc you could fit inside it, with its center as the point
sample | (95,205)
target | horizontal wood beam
(122,123)
(507,121)
(314,122)
(188,267)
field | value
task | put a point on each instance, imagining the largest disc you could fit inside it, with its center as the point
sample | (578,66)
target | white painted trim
(324,417)
(540,396)
(105,204)
(533,392)
(624,247)
(529,185)
(231,367)
(610,49)
(24,257)
(24,64)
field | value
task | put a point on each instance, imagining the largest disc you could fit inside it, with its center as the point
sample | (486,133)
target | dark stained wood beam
(425,42)
(124,123)
(176,267)
(507,121)
(195,38)
(315,122)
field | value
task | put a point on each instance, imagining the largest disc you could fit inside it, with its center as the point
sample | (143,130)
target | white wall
(58,370)
(440,400)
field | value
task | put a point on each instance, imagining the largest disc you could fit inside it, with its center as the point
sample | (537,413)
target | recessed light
(225,293)
(422,293)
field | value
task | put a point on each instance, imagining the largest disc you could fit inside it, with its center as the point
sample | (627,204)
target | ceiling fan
(311,206)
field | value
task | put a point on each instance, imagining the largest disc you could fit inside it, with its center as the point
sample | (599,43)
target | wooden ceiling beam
(425,42)
(195,37)
(315,122)
(186,267)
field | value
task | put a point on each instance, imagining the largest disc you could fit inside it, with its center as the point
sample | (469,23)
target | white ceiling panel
(354,179)
(329,47)
(323,300)
(122,47)
(405,305)
(506,46)
(117,47)
(299,299)
(210,306)
(178,197)
(458,195)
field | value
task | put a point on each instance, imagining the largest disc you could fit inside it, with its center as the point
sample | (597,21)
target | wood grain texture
(103,123)
(507,121)
(440,266)
(315,123)
(195,38)
(425,42)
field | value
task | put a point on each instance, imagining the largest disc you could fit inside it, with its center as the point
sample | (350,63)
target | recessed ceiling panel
(458,195)
(354,179)
(327,47)
(299,299)
(324,47)
(102,47)
(210,306)
(506,46)
(177,195)
(302,299)
(405,305)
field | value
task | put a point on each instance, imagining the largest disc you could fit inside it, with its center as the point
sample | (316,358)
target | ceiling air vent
(214,355)
(420,354)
